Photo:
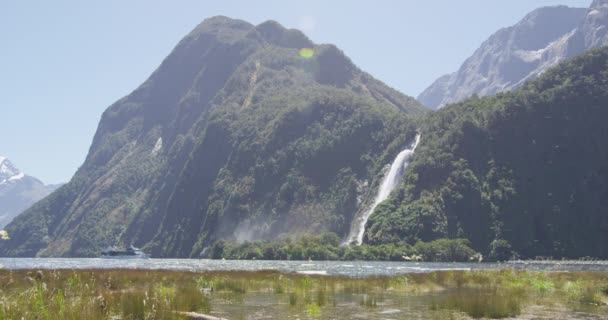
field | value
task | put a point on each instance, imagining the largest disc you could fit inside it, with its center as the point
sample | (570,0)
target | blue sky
(63,62)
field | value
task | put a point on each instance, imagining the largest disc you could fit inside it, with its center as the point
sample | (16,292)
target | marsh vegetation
(138,294)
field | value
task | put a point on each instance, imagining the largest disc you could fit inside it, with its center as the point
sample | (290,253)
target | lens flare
(306,53)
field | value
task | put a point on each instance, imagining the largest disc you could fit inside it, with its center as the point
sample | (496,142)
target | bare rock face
(516,54)
(595,27)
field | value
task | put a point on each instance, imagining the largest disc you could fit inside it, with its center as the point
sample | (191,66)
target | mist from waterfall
(389,182)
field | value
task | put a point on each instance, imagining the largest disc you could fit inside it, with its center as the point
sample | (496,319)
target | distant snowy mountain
(8,172)
(18,191)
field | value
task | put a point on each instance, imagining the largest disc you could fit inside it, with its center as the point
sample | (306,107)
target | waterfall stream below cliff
(388,184)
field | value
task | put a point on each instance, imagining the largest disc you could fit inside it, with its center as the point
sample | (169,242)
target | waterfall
(389,182)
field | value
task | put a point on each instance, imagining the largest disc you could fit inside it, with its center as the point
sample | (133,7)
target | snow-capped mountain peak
(8,171)
(18,191)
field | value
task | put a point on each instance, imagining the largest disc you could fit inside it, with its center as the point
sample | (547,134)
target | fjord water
(334,268)
(390,181)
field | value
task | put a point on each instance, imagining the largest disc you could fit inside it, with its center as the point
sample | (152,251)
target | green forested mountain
(241,135)
(238,135)
(524,171)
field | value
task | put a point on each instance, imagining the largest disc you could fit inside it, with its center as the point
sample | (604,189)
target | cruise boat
(129,253)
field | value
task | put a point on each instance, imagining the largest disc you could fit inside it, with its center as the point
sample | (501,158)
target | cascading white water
(389,182)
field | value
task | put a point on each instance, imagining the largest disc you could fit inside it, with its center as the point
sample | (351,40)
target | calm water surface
(341,268)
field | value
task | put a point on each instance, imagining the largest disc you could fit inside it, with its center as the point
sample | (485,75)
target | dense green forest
(523,172)
(327,246)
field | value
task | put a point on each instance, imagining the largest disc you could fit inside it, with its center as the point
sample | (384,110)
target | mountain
(18,191)
(525,171)
(514,55)
(244,132)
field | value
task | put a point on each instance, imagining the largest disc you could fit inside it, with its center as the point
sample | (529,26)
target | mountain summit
(8,171)
(244,132)
(514,55)
(18,191)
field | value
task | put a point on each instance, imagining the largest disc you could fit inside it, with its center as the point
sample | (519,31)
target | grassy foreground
(139,294)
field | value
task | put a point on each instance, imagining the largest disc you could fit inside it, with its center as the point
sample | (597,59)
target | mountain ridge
(516,54)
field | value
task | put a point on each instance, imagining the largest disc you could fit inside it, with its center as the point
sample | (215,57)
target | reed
(141,294)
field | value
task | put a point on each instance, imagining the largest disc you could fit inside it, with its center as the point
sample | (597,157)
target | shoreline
(558,262)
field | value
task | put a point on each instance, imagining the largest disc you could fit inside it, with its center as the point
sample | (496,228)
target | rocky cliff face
(237,135)
(516,54)
(18,191)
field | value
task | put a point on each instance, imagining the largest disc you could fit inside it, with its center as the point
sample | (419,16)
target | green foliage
(445,250)
(326,246)
(521,172)
(313,310)
(500,250)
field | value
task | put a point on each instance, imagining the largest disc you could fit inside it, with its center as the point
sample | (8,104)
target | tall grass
(140,294)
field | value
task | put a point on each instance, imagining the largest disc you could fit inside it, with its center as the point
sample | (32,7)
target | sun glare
(306,53)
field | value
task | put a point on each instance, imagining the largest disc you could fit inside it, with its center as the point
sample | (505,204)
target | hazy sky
(63,62)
